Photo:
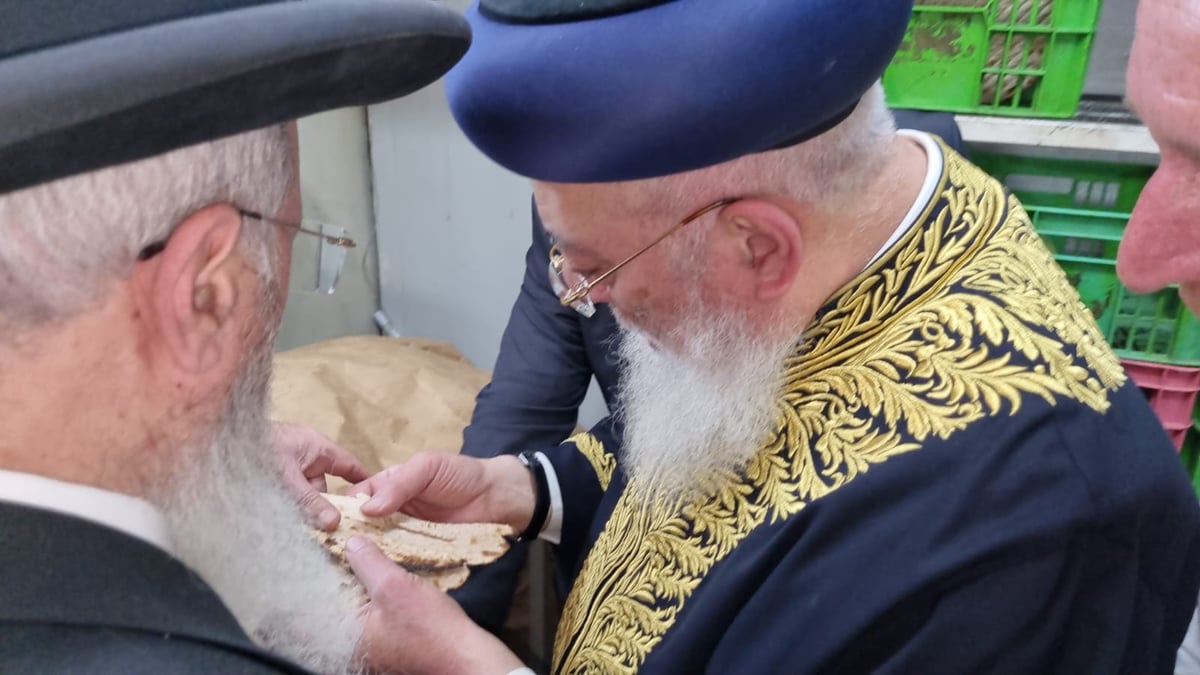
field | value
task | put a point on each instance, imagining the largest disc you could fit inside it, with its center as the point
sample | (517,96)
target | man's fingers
(383,579)
(294,478)
(345,465)
(317,453)
(412,627)
(325,515)
(323,456)
(366,487)
(392,493)
(318,483)
(395,486)
(320,512)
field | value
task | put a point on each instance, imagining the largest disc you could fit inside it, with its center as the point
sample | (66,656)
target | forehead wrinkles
(577,214)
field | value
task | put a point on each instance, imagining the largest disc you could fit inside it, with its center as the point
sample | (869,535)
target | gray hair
(66,243)
(825,170)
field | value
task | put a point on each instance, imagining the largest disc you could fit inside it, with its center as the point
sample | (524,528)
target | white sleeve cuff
(552,530)
(522,671)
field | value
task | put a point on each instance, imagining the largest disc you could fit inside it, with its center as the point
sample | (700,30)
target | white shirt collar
(933,174)
(133,516)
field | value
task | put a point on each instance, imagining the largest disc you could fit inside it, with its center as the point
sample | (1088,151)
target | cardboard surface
(384,399)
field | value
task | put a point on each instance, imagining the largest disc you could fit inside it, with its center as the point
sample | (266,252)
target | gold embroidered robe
(960,479)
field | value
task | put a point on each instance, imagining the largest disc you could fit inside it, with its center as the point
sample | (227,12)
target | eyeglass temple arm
(344,242)
(587,284)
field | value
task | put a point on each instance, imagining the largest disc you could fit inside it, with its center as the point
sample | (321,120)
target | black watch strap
(541,505)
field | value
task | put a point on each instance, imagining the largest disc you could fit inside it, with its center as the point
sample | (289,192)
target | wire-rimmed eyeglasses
(328,234)
(574,290)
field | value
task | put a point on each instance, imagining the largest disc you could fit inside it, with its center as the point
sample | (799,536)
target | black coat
(78,597)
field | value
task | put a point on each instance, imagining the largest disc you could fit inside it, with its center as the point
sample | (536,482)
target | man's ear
(770,244)
(189,292)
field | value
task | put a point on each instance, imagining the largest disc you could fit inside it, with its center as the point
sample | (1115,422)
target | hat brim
(138,93)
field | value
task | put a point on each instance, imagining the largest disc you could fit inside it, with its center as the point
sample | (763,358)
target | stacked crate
(1080,209)
(1025,58)
(1029,58)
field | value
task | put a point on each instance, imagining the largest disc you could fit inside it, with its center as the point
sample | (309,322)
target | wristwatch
(541,505)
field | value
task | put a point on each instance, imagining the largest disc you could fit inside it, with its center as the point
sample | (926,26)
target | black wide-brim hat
(84,85)
(583,91)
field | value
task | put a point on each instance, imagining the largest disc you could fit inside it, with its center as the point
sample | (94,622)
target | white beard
(235,524)
(693,419)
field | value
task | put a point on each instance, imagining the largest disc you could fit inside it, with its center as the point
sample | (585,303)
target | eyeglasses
(333,259)
(574,291)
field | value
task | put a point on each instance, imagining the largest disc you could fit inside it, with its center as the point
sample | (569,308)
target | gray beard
(235,524)
(694,420)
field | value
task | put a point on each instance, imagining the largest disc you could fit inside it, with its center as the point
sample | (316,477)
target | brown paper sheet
(384,399)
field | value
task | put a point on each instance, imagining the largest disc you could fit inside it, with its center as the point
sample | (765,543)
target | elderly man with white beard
(149,195)
(869,425)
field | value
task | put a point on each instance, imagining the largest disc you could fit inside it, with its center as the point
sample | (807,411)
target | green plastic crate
(1024,58)
(1080,209)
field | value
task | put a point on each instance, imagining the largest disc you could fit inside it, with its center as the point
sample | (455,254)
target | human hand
(410,627)
(305,455)
(453,489)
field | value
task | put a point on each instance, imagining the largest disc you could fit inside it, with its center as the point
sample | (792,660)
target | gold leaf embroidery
(967,317)
(603,462)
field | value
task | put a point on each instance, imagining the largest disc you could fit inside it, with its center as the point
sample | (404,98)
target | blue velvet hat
(606,90)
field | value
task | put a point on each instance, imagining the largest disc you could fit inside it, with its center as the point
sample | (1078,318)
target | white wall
(453,227)
(335,181)
(453,230)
